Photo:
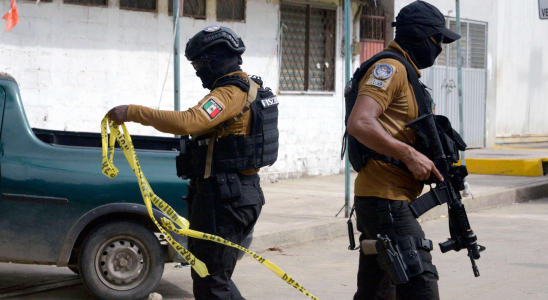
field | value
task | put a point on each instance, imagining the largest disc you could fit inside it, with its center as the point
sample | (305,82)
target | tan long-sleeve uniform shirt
(221,104)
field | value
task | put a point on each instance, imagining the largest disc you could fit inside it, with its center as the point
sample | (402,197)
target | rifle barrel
(474,266)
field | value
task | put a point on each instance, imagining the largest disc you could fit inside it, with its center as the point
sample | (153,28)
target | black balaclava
(422,51)
(415,24)
(218,61)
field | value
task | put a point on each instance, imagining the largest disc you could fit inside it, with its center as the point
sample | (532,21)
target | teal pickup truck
(57,208)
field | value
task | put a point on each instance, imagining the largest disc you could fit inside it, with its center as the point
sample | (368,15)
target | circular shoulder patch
(383,71)
(212,28)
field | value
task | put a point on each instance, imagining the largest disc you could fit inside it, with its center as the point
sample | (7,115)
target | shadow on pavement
(37,282)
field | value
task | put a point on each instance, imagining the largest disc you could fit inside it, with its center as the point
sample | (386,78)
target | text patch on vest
(269,102)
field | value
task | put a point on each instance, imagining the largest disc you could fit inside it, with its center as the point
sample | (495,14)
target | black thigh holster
(399,255)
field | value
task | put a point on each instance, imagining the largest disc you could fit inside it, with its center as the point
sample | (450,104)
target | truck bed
(90,139)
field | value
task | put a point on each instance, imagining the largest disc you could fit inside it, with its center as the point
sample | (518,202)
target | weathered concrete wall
(311,127)
(483,11)
(516,66)
(74,62)
(522,62)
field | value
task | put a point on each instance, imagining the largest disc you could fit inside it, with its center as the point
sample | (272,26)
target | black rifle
(430,136)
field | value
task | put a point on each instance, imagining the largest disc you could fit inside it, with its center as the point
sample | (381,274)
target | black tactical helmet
(211,36)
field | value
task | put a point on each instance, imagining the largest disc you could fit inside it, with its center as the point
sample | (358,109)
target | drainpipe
(459,72)
(176,60)
(461,101)
(347,57)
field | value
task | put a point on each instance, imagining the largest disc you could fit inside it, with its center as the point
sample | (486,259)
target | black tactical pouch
(229,186)
(457,180)
(410,254)
(234,185)
(451,140)
(182,161)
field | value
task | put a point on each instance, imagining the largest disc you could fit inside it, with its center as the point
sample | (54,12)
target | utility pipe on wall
(176,59)
(459,79)
(347,57)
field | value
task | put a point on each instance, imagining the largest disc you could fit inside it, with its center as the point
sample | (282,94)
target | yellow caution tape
(124,139)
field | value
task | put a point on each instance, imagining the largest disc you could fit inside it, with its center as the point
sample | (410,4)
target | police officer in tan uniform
(385,103)
(234,133)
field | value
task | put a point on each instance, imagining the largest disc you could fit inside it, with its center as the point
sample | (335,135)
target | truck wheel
(121,260)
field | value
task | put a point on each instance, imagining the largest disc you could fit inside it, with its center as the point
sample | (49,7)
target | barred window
(464,44)
(372,24)
(84,2)
(473,46)
(231,10)
(308,48)
(191,8)
(142,5)
(477,36)
(372,32)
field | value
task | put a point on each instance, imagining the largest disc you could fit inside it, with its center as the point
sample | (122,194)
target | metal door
(442,79)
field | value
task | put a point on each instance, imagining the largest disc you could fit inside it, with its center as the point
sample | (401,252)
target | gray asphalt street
(512,267)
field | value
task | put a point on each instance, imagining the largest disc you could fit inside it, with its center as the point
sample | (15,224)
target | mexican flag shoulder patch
(212,108)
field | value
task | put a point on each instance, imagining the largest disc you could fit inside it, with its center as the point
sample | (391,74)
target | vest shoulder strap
(412,76)
(235,80)
(251,96)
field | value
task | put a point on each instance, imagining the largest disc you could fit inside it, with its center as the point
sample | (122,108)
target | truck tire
(121,261)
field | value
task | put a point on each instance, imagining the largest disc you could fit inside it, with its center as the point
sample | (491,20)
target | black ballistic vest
(236,152)
(359,154)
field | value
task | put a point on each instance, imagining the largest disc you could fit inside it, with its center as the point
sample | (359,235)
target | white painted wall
(522,61)
(484,11)
(517,64)
(311,126)
(74,62)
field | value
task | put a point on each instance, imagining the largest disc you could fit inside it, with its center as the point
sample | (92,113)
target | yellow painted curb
(501,166)
(520,148)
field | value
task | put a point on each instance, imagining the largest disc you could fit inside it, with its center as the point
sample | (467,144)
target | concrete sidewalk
(304,209)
